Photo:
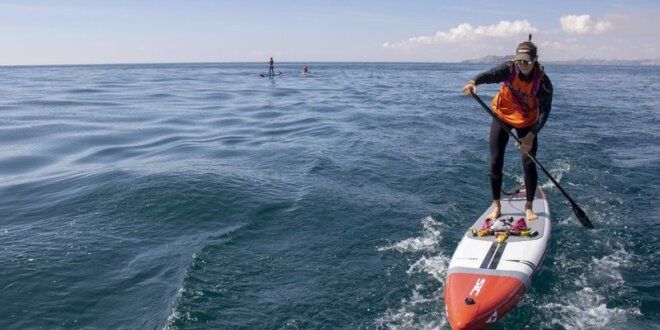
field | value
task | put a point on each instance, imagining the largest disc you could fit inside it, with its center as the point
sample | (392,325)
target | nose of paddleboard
(476,301)
(463,317)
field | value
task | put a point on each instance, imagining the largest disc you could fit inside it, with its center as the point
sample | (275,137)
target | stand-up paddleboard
(490,272)
(267,75)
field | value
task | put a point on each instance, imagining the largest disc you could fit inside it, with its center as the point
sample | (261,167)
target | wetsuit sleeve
(498,73)
(545,104)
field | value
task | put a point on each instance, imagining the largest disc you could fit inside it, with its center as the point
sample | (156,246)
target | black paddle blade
(584,219)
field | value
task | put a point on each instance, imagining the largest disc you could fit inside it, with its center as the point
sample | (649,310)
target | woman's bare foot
(497,207)
(529,212)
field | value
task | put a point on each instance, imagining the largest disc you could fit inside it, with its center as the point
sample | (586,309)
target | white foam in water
(557,171)
(403,319)
(435,266)
(547,185)
(561,166)
(431,237)
(567,221)
(586,307)
(174,314)
(607,265)
(408,315)
(520,179)
(423,308)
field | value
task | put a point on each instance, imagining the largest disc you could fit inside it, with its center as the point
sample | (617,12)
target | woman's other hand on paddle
(470,88)
(526,142)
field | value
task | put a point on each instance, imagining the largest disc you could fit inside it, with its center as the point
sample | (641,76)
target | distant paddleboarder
(271,67)
(523,102)
(306,69)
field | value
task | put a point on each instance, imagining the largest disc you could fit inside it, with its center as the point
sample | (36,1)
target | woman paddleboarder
(523,102)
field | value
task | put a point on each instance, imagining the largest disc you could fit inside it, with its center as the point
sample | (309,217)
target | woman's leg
(498,140)
(531,174)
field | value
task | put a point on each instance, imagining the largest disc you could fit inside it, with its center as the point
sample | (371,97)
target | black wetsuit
(499,137)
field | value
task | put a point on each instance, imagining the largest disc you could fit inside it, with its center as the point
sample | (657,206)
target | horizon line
(469,61)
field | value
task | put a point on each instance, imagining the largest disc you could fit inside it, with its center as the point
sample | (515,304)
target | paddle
(579,213)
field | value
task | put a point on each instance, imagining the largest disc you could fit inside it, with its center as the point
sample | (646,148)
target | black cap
(526,50)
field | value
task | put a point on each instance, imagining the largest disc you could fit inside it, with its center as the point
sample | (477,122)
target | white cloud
(573,24)
(603,26)
(466,32)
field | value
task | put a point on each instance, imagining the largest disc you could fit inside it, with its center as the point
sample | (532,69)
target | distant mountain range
(492,59)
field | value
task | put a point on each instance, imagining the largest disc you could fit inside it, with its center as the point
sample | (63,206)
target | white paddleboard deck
(486,277)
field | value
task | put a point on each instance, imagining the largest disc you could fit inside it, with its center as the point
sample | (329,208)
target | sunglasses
(523,62)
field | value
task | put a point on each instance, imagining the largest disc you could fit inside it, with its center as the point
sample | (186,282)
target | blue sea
(203,196)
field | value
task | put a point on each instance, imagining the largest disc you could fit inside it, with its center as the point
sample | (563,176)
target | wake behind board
(487,277)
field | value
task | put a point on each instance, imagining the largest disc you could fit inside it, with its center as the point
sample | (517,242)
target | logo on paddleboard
(492,318)
(477,286)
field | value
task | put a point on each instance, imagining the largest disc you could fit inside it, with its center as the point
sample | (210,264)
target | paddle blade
(584,219)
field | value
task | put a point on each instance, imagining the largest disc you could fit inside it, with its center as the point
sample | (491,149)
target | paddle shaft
(579,213)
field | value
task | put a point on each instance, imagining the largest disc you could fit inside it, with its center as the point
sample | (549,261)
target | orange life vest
(516,102)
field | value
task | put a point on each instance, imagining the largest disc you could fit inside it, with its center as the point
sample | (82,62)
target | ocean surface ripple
(188,196)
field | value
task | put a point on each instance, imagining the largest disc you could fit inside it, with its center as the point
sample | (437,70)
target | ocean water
(202,196)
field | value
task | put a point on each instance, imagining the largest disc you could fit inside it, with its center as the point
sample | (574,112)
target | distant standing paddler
(271,67)
(523,102)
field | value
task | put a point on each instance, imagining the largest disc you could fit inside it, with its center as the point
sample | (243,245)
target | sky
(147,31)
